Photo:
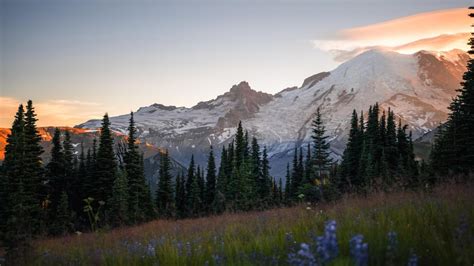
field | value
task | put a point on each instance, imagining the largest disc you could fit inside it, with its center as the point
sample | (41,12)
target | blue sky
(116,56)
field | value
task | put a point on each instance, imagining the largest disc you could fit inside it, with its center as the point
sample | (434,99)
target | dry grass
(424,222)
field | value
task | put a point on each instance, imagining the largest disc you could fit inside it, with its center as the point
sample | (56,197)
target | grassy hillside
(436,226)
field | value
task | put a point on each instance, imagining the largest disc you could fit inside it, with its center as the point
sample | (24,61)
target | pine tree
(56,172)
(295,175)
(164,192)
(321,150)
(36,192)
(68,152)
(63,218)
(14,235)
(266,174)
(134,177)
(391,146)
(210,180)
(452,151)
(221,182)
(106,165)
(308,166)
(119,201)
(180,197)
(202,188)
(351,157)
(257,177)
(288,192)
(79,184)
(240,146)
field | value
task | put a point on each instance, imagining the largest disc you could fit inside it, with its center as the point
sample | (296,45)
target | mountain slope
(418,87)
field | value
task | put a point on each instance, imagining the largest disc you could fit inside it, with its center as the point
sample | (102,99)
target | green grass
(424,222)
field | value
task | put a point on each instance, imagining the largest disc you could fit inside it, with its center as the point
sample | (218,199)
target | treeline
(378,156)
(97,188)
(241,182)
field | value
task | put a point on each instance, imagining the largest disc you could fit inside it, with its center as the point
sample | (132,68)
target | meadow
(400,228)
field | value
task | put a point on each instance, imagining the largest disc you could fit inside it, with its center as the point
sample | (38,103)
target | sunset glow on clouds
(52,112)
(440,31)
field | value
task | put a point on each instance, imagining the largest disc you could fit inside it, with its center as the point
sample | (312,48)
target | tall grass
(437,226)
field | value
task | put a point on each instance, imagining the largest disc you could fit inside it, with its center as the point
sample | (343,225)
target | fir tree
(266,173)
(119,201)
(34,171)
(106,165)
(240,146)
(295,175)
(56,171)
(211,179)
(391,146)
(63,218)
(164,193)
(452,151)
(15,233)
(321,150)
(288,193)
(351,157)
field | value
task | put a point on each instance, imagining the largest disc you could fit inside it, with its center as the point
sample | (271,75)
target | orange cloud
(52,112)
(439,31)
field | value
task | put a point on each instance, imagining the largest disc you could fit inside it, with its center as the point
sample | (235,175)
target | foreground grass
(437,226)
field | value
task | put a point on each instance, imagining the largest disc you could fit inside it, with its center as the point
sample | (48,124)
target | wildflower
(392,246)
(179,245)
(327,248)
(359,250)
(304,256)
(151,250)
(188,249)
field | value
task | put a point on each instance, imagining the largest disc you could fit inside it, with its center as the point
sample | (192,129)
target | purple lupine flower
(359,250)
(304,257)
(326,245)
(179,245)
(392,245)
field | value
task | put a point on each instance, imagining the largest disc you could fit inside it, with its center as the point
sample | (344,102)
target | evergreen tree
(68,152)
(13,234)
(210,179)
(202,188)
(266,173)
(308,166)
(257,177)
(56,172)
(240,146)
(106,165)
(351,157)
(222,181)
(452,151)
(62,222)
(164,192)
(295,175)
(34,172)
(391,146)
(321,150)
(119,201)
(180,197)
(288,193)
(140,203)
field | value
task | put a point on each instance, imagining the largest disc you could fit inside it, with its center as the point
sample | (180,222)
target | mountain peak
(243,86)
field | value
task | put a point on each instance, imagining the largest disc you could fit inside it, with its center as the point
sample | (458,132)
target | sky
(79,59)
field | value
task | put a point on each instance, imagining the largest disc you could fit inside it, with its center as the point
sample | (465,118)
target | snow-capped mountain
(418,87)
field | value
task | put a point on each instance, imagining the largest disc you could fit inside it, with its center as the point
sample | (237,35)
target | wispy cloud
(58,112)
(439,30)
